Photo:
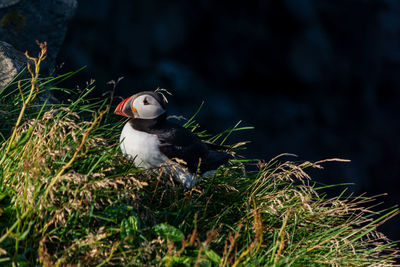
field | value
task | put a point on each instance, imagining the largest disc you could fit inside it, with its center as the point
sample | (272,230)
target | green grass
(69,197)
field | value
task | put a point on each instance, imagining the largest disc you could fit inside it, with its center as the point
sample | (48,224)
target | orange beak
(121,107)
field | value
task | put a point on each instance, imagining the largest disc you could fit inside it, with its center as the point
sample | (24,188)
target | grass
(68,197)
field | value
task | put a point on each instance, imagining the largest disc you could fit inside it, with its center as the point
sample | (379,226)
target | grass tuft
(68,197)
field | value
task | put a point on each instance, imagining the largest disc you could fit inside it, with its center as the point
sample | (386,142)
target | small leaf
(130,226)
(2,196)
(214,257)
(204,263)
(178,261)
(168,232)
(24,137)
(25,234)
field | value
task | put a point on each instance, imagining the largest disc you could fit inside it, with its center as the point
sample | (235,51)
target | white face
(147,107)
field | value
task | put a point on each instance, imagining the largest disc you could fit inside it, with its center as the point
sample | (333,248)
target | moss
(13,20)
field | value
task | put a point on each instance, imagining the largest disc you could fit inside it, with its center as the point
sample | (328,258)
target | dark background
(319,79)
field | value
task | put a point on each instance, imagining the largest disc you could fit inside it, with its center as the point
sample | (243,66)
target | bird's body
(153,141)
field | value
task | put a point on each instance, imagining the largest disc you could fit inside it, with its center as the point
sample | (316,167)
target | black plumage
(180,143)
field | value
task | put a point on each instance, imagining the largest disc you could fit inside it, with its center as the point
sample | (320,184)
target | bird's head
(143,105)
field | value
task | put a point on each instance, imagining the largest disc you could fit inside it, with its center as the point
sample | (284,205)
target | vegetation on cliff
(68,197)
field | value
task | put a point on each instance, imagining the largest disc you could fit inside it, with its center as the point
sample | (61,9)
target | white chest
(141,147)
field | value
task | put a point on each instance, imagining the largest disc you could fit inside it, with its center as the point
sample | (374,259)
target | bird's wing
(216,146)
(214,160)
(182,144)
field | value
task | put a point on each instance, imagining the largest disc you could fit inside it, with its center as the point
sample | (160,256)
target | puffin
(151,140)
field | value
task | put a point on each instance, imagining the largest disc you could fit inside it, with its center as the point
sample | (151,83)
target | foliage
(67,197)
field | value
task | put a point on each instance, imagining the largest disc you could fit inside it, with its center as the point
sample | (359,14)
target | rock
(44,20)
(7,3)
(12,61)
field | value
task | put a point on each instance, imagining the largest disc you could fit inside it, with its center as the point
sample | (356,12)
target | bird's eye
(145,102)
